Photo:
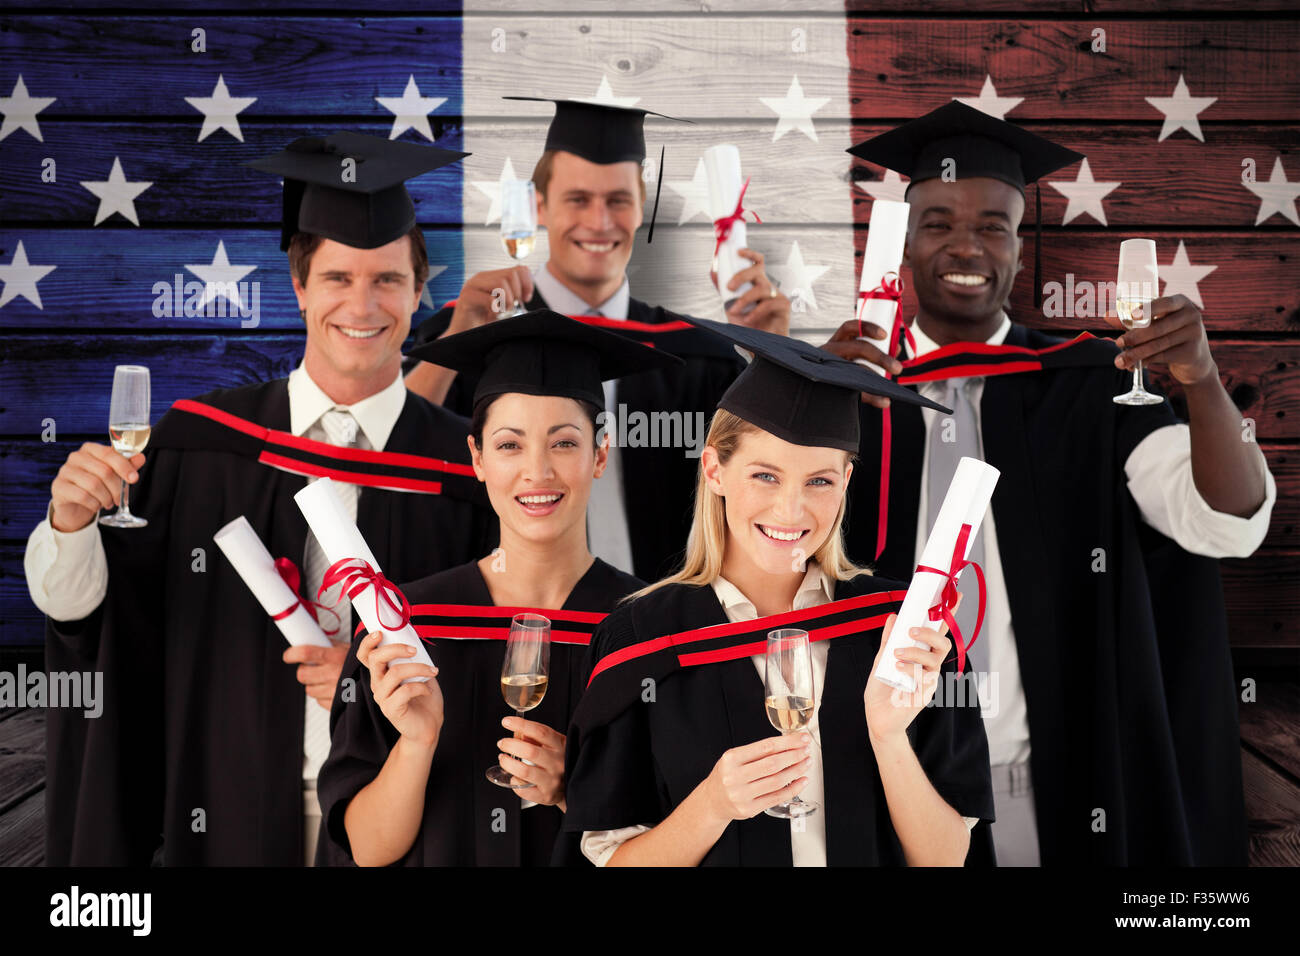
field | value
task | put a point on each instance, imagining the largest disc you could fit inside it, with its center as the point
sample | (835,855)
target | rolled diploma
(339,538)
(966,502)
(254,564)
(722,167)
(885,237)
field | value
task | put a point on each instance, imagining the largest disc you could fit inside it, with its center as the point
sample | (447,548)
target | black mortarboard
(364,204)
(977,144)
(802,394)
(601,133)
(542,353)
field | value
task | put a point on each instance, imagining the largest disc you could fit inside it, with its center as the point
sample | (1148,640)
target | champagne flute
(523,676)
(1136,287)
(518,222)
(128,430)
(788,686)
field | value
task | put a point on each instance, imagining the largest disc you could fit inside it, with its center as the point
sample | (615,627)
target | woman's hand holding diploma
(415,709)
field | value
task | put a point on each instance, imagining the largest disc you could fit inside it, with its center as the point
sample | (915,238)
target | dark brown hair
(542,174)
(479,419)
(303,246)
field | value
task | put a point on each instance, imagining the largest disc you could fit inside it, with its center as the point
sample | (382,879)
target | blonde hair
(708,538)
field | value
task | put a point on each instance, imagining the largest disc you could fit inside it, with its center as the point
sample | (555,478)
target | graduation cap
(542,353)
(602,133)
(363,203)
(801,394)
(976,144)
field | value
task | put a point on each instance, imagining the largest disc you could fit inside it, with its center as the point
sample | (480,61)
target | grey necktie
(340,429)
(953,438)
(607,532)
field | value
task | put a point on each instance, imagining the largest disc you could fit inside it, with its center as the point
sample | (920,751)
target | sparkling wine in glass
(128,430)
(518,222)
(523,677)
(1135,288)
(788,690)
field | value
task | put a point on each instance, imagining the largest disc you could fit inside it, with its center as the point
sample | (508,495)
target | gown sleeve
(950,744)
(104,782)
(611,776)
(361,739)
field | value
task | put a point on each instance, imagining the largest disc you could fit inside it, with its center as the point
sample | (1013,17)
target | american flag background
(122,193)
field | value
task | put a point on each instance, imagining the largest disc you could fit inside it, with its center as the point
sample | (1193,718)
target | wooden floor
(1270,755)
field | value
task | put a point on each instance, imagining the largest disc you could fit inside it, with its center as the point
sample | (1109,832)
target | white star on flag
(794,110)
(989,102)
(220,110)
(20,110)
(116,195)
(1180,110)
(426,297)
(1084,195)
(605,96)
(796,278)
(20,278)
(493,191)
(221,279)
(411,110)
(1180,276)
(694,193)
(891,187)
(1277,195)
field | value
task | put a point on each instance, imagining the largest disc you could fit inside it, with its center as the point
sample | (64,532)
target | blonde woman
(671,758)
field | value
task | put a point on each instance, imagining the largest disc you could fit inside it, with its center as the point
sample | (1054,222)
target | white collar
(926,344)
(561,298)
(375,414)
(815,589)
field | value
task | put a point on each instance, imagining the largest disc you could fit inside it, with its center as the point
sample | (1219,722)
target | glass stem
(1137,377)
(125,509)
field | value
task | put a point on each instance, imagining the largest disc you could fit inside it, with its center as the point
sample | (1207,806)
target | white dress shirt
(1159,472)
(808,843)
(67,572)
(607,531)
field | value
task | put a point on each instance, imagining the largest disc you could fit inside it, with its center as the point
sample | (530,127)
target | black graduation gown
(638,766)
(197,756)
(1127,674)
(468,821)
(658,483)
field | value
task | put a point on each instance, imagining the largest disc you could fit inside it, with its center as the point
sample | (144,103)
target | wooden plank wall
(121,81)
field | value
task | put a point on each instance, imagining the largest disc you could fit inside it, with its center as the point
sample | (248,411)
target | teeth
(960,278)
(538,499)
(597,246)
(781,535)
(353,334)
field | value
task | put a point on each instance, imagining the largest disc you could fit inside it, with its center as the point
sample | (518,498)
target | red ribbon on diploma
(722,227)
(890,288)
(289,573)
(948,597)
(356,575)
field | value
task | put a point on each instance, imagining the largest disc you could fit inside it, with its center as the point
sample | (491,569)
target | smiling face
(538,460)
(358,305)
(591,212)
(779,497)
(962,247)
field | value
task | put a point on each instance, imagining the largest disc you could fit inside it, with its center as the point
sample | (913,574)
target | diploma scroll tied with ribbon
(378,602)
(726,195)
(933,591)
(880,289)
(880,303)
(273,582)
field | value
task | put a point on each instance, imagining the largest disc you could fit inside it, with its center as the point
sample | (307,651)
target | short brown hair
(303,246)
(542,174)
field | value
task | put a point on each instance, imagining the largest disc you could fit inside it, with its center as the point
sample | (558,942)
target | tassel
(1038,249)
